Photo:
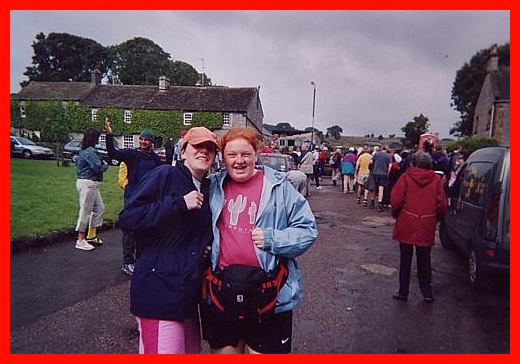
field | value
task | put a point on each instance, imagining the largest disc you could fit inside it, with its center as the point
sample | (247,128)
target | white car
(26,148)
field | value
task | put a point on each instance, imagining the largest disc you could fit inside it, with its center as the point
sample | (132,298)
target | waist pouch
(241,292)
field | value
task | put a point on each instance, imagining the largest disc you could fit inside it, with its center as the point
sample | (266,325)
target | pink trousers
(169,337)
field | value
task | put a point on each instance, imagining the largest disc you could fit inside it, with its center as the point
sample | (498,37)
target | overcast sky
(374,70)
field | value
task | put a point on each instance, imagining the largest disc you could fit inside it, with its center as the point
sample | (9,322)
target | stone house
(238,106)
(492,114)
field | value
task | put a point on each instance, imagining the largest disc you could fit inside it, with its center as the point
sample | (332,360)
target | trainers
(83,245)
(379,207)
(365,203)
(95,241)
(128,269)
(319,188)
(358,200)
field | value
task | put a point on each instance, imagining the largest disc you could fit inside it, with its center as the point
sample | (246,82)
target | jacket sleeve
(150,206)
(295,228)
(95,163)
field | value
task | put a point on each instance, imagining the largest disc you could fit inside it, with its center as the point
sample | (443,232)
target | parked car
(477,222)
(279,162)
(72,148)
(26,148)
(161,152)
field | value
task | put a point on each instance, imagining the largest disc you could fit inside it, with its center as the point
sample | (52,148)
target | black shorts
(271,336)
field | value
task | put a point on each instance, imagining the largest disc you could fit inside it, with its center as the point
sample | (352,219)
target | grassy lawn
(44,200)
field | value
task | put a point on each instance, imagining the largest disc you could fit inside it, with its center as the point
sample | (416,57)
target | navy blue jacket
(138,163)
(167,278)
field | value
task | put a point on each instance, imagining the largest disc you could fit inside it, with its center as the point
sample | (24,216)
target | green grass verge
(44,200)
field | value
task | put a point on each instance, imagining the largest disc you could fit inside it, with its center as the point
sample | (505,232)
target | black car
(478,219)
(72,148)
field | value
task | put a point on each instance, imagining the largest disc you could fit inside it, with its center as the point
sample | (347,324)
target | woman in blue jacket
(170,216)
(259,221)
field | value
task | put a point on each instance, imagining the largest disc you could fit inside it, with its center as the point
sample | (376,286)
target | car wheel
(27,154)
(443,236)
(475,274)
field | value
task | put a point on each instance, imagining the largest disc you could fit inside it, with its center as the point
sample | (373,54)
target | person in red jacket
(418,202)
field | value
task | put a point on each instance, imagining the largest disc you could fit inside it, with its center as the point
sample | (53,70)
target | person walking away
(418,203)
(261,224)
(139,161)
(169,148)
(306,165)
(322,159)
(381,166)
(89,173)
(335,162)
(348,169)
(362,174)
(178,146)
(169,215)
(316,167)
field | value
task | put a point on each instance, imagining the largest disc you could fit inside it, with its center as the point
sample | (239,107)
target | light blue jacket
(289,228)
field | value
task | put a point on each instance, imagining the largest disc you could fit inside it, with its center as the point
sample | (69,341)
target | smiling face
(199,158)
(239,159)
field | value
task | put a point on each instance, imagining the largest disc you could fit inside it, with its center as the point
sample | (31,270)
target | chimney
(95,77)
(164,83)
(493,59)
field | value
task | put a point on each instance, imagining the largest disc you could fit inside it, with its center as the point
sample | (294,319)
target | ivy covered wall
(56,121)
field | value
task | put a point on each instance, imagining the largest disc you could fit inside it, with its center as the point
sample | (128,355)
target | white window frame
(93,114)
(226,120)
(187,118)
(128,117)
(128,141)
(22,111)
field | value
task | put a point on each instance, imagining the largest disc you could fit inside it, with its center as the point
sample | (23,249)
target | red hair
(249,134)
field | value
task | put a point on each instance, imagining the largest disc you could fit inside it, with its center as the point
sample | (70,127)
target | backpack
(122,175)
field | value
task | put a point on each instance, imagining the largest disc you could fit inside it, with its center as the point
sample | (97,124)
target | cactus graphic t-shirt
(237,219)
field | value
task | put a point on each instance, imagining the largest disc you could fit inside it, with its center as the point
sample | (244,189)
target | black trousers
(424,270)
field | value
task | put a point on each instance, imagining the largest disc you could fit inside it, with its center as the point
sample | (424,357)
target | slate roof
(185,98)
(48,91)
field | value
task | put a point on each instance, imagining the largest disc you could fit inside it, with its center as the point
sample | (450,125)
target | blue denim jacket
(289,228)
(89,165)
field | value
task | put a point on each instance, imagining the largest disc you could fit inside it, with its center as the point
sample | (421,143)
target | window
(188,117)
(226,120)
(93,114)
(128,116)
(22,111)
(128,141)
(475,182)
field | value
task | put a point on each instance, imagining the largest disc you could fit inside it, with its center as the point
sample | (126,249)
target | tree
(413,130)
(65,57)
(183,74)
(139,61)
(284,127)
(467,85)
(335,131)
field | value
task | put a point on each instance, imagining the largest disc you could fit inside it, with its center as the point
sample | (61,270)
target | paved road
(68,301)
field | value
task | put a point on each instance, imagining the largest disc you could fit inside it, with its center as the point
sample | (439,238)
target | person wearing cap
(261,223)
(170,217)
(139,161)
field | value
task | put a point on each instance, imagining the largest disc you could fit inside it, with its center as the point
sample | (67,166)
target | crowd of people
(212,251)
